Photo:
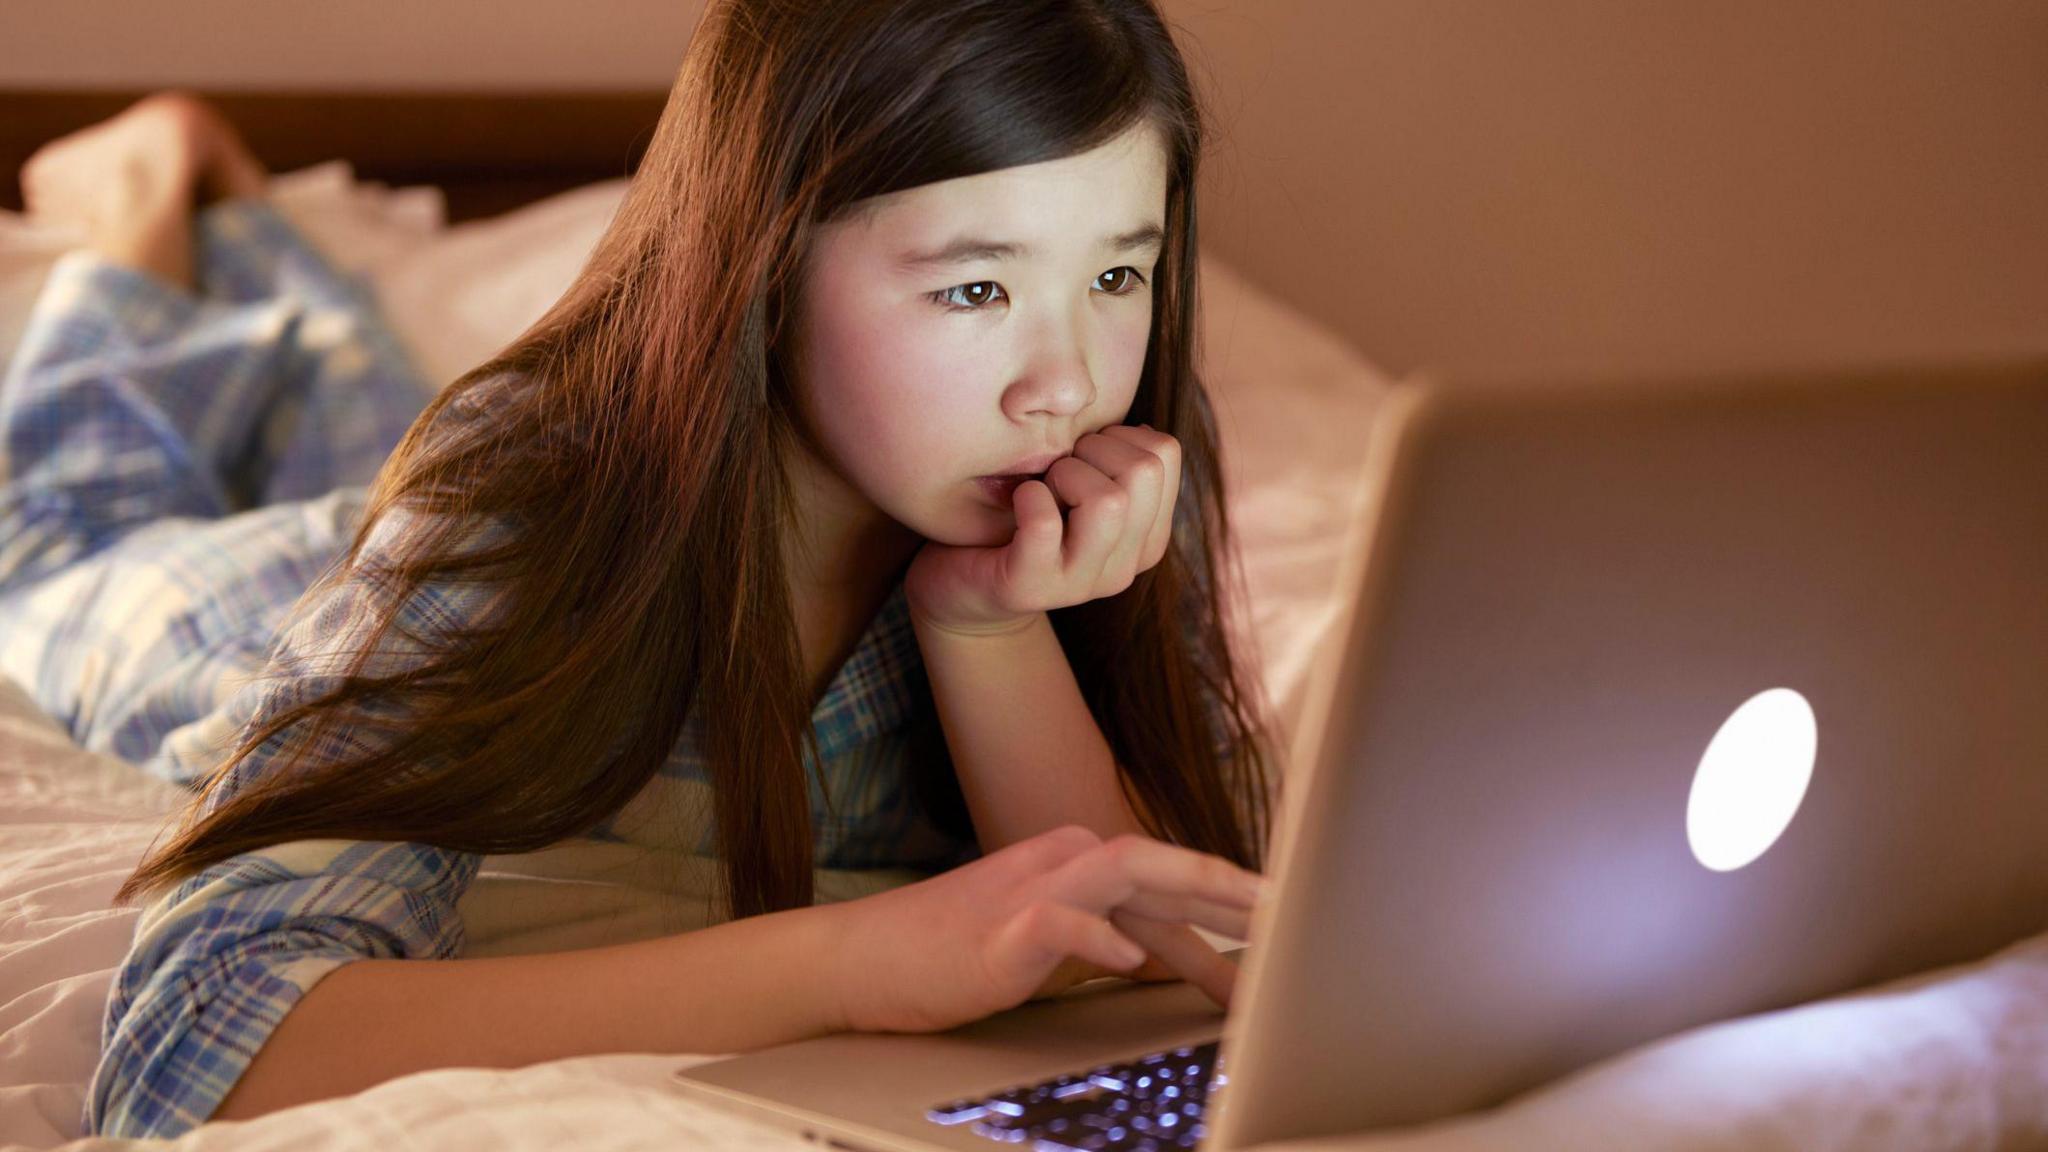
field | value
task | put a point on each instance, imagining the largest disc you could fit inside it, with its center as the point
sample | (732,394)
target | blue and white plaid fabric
(175,472)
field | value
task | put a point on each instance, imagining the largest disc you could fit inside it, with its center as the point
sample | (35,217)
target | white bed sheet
(1953,1059)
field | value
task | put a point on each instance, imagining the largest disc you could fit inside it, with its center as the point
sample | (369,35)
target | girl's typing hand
(1119,485)
(1032,919)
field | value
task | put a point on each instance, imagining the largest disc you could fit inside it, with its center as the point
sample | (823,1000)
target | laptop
(1655,703)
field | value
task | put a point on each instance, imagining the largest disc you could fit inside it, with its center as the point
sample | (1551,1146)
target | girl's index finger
(1170,868)
(1181,949)
(1135,872)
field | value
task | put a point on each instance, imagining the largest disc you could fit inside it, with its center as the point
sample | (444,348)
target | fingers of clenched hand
(1135,474)
(1145,463)
(1122,483)
(1096,524)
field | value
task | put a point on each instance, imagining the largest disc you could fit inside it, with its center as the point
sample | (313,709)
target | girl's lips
(1000,489)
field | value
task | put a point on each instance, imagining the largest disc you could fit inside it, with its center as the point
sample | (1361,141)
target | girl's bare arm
(921,957)
(732,987)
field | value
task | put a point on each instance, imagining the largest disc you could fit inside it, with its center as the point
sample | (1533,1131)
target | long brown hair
(643,469)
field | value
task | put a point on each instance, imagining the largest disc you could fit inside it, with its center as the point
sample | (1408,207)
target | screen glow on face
(1752,779)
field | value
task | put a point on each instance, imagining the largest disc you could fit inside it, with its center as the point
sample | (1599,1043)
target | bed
(463,256)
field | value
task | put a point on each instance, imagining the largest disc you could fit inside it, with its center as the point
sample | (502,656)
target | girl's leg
(350,389)
(347,388)
(129,184)
(126,587)
(127,395)
(280,375)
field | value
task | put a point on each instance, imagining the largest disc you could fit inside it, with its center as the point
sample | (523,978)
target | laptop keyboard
(1151,1104)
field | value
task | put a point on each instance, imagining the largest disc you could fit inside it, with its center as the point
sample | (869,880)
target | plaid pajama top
(175,471)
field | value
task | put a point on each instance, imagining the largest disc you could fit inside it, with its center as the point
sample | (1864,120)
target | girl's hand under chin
(1119,485)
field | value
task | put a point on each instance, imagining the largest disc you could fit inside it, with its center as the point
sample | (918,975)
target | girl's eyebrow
(968,248)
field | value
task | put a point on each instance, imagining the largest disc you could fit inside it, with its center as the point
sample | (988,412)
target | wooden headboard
(489,152)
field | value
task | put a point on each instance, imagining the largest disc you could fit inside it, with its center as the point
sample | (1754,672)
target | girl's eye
(973,301)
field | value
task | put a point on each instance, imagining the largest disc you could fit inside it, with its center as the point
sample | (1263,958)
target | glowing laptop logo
(1751,780)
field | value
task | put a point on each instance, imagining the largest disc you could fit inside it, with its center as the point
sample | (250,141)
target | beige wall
(1519,187)
(346,45)
(1522,187)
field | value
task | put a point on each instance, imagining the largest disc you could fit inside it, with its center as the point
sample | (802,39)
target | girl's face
(921,365)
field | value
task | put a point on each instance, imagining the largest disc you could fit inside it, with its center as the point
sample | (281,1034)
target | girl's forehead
(1019,213)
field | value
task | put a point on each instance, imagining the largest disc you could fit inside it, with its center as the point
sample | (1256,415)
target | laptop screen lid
(1505,860)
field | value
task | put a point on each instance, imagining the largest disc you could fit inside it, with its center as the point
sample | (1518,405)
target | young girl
(729,516)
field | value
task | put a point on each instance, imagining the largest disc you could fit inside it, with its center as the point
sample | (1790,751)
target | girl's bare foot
(131,183)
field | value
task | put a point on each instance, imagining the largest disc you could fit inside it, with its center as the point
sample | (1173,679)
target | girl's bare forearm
(732,987)
(1029,755)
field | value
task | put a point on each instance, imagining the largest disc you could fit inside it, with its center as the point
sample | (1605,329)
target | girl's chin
(978,525)
(969,520)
